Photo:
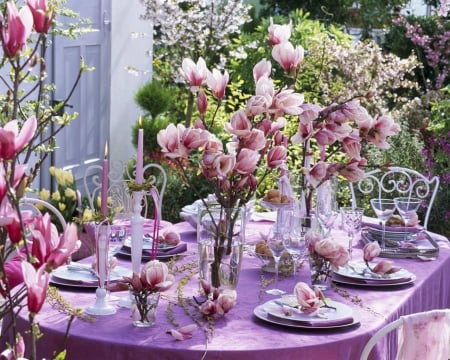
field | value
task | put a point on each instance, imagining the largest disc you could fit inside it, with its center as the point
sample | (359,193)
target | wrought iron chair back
(33,203)
(119,176)
(398,181)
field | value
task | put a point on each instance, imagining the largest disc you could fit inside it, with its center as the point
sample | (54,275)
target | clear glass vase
(321,272)
(143,308)
(220,239)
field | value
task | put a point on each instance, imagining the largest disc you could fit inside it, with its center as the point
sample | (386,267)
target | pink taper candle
(140,155)
(104,194)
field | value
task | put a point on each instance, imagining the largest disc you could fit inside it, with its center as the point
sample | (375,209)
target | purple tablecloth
(240,335)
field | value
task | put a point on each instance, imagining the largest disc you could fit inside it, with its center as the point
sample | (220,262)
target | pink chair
(424,336)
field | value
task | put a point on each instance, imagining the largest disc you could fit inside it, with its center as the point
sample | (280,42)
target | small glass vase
(220,239)
(321,272)
(143,308)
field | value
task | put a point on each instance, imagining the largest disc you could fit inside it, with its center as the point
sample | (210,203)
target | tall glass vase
(220,239)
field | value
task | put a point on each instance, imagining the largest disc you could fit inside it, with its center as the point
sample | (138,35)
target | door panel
(82,142)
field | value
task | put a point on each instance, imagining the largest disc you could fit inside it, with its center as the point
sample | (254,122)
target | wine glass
(116,240)
(326,214)
(351,221)
(407,208)
(383,208)
(294,240)
(275,244)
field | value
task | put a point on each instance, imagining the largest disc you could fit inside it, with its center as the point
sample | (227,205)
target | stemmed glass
(383,208)
(275,244)
(407,208)
(116,240)
(326,214)
(294,240)
(351,221)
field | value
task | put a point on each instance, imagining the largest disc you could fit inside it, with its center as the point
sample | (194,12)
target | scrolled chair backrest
(398,181)
(119,176)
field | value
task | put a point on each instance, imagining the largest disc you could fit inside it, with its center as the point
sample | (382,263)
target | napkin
(181,247)
(317,323)
(371,281)
(391,228)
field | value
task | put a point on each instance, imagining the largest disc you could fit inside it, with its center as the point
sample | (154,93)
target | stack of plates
(357,273)
(82,275)
(281,312)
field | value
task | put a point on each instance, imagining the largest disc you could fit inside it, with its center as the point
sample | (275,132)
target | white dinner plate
(261,313)
(84,278)
(357,273)
(283,308)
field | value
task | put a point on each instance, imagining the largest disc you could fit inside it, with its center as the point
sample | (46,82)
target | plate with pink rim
(274,313)
(335,313)
(357,273)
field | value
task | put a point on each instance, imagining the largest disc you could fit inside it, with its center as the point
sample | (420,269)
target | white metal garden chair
(415,334)
(398,181)
(119,176)
(28,203)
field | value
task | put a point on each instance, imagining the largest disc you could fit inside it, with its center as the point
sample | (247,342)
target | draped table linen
(240,335)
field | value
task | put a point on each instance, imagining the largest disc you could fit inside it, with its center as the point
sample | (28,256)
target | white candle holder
(101,307)
(137,235)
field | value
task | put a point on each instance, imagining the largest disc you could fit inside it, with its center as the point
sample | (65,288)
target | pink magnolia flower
(340,257)
(202,102)
(371,251)
(353,171)
(18,352)
(42,15)
(255,140)
(264,87)
(309,300)
(262,68)
(224,164)
(12,140)
(18,175)
(325,137)
(170,237)
(287,56)
(326,248)
(239,124)
(208,307)
(169,139)
(257,104)
(385,267)
(194,73)
(217,82)
(226,301)
(36,282)
(247,161)
(279,33)
(352,146)
(287,102)
(20,24)
(317,173)
(47,246)
(182,333)
(276,156)
(155,276)
(194,138)
(384,126)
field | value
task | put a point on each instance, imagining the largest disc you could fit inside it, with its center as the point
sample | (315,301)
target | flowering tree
(30,246)
(192,29)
